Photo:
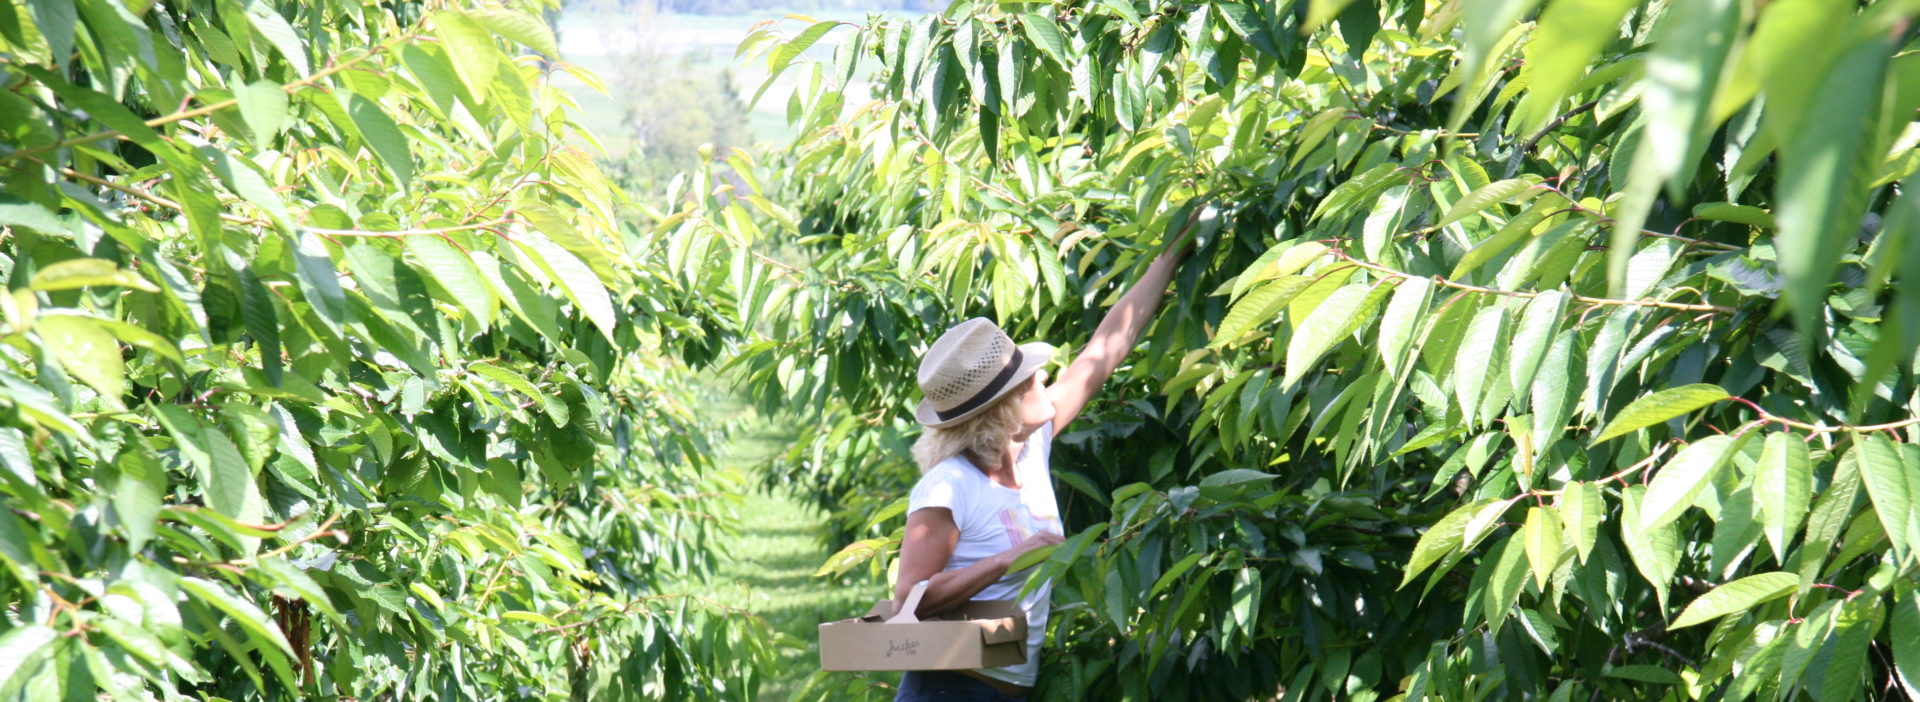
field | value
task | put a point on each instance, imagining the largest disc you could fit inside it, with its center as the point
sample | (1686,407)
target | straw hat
(969,366)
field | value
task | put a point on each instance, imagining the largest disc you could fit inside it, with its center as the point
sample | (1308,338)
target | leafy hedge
(1532,349)
(328,372)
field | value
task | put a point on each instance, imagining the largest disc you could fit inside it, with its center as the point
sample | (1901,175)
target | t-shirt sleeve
(1043,438)
(939,487)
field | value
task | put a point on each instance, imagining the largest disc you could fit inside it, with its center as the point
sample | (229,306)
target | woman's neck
(1001,468)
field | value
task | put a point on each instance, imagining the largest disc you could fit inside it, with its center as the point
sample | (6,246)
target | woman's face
(1036,406)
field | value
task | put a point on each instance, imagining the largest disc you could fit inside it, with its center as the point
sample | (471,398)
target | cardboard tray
(979,634)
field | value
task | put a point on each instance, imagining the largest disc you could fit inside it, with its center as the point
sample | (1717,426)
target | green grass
(770,564)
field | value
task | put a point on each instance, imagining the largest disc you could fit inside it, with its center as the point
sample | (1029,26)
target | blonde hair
(985,435)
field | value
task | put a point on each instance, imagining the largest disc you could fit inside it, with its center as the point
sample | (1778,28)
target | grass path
(769,569)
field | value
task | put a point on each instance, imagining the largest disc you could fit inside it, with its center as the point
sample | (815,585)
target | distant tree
(670,107)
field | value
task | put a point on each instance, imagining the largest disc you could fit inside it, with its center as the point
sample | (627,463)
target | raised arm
(1112,340)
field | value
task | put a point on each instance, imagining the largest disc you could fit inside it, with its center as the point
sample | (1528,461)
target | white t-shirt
(993,518)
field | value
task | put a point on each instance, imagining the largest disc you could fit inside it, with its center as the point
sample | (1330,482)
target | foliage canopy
(1544,349)
(328,372)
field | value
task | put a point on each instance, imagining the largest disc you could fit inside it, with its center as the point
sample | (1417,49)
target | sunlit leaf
(1681,479)
(1659,407)
(1737,596)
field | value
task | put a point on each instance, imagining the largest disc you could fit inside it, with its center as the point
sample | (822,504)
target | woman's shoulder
(955,469)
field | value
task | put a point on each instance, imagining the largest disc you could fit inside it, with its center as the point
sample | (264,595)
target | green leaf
(1516,230)
(1443,538)
(136,495)
(1823,173)
(1569,34)
(1782,489)
(1320,12)
(520,384)
(1738,214)
(263,106)
(1280,261)
(1124,10)
(1690,46)
(1682,70)
(1506,580)
(15,212)
(1655,552)
(86,350)
(245,180)
(586,290)
(534,617)
(455,273)
(1792,41)
(530,31)
(1032,558)
(224,476)
(260,316)
(1173,573)
(1878,460)
(14,458)
(1510,190)
(319,278)
(1840,676)
(1332,322)
(1531,337)
(20,552)
(1235,476)
(784,54)
(1737,596)
(21,645)
(1046,35)
(76,273)
(383,137)
(1832,511)
(1397,324)
(1542,537)
(1581,510)
(1642,672)
(1355,194)
(244,613)
(55,21)
(1476,358)
(474,55)
(1259,307)
(1659,407)
(37,405)
(1905,637)
(291,582)
(134,640)
(1679,481)
(275,29)
(1246,599)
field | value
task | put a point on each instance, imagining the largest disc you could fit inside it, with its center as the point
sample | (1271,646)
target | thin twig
(1342,255)
(214,107)
(1769,417)
(1555,124)
(150,198)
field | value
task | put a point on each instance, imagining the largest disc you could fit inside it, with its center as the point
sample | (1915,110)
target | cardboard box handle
(905,614)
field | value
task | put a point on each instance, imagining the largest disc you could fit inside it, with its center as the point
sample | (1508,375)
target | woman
(986,496)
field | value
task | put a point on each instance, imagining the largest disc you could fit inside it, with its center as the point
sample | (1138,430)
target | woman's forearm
(1121,328)
(949,589)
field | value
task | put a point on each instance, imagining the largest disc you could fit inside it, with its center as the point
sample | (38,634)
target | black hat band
(987,393)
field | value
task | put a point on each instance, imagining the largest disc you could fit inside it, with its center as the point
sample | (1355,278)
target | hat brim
(1032,357)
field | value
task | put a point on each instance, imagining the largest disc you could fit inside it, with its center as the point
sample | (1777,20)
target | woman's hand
(1044,538)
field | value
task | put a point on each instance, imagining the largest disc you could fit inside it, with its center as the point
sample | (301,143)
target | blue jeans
(946,686)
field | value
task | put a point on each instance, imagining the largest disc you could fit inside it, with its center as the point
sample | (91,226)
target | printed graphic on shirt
(1020,523)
